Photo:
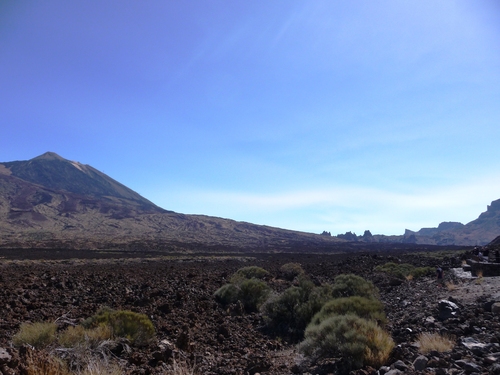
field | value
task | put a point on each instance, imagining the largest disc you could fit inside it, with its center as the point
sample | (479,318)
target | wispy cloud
(347,207)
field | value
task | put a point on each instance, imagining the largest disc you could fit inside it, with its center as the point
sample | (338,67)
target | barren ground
(176,292)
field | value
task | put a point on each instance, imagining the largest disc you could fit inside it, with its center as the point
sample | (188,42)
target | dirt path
(468,289)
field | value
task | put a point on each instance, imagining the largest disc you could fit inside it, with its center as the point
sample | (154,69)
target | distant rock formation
(478,232)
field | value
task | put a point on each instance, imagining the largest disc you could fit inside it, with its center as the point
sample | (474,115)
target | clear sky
(307,115)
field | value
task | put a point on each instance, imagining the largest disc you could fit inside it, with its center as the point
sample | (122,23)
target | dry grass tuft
(41,363)
(450,286)
(377,354)
(479,275)
(101,367)
(78,335)
(434,341)
(38,335)
(183,368)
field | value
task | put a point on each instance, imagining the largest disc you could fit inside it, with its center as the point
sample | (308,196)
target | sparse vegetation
(348,285)
(38,335)
(349,326)
(290,271)
(193,329)
(422,272)
(358,341)
(450,286)
(428,342)
(227,294)
(246,286)
(289,313)
(479,274)
(251,272)
(183,367)
(79,335)
(405,270)
(123,323)
(252,293)
(101,366)
(42,363)
(365,308)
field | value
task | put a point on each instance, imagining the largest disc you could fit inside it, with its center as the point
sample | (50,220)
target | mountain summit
(54,172)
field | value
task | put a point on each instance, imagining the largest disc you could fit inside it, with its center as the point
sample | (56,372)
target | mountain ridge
(49,201)
(478,232)
(52,201)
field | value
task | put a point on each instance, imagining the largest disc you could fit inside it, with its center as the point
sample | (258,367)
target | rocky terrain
(176,292)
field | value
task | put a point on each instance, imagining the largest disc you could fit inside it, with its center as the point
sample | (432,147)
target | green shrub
(281,311)
(369,309)
(400,271)
(290,312)
(227,294)
(39,334)
(290,271)
(404,270)
(358,341)
(134,326)
(253,293)
(317,297)
(423,271)
(348,285)
(252,272)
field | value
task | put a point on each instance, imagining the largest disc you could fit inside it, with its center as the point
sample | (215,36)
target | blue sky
(307,115)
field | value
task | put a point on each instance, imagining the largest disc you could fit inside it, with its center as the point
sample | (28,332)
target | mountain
(480,231)
(53,172)
(49,201)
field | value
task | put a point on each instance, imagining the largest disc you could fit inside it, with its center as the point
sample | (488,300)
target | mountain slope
(49,201)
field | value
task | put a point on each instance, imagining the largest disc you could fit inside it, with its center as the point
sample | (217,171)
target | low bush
(38,335)
(405,270)
(289,313)
(290,271)
(251,292)
(365,308)
(245,273)
(400,271)
(428,342)
(81,336)
(317,297)
(227,294)
(423,271)
(348,285)
(123,323)
(358,341)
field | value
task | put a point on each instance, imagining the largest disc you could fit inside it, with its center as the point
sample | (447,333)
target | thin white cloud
(346,208)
